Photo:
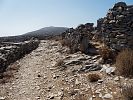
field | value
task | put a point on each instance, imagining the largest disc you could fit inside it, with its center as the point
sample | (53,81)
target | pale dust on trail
(35,74)
(36,77)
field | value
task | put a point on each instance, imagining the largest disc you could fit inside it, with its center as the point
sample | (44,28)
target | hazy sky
(21,16)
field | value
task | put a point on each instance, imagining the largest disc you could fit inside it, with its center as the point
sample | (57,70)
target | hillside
(40,34)
(47,31)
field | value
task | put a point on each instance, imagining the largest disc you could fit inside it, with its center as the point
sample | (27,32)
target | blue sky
(22,16)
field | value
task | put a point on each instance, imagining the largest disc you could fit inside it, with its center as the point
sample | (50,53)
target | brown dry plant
(94,77)
(127,91)
(124,63)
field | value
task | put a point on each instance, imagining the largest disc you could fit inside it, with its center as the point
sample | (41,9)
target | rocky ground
(49,72)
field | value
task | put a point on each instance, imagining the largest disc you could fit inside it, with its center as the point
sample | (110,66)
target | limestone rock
(107,96)
(2,98)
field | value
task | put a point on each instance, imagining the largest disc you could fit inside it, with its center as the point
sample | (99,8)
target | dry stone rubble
(10,52)
(117,27)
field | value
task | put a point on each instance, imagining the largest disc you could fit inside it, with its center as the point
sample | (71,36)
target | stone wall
(117,27)
(10,52)
(78,38)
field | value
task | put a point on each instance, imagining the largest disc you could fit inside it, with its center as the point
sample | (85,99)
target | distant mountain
(40,34)
(47,31)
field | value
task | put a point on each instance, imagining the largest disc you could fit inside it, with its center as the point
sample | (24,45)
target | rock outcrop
(117,27)
(10,52)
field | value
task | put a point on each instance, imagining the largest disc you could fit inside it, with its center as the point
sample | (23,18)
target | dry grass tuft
(59,63)
(65,42)
(8,75)
(124,63)
(127,91)
(106,53)
(94,77)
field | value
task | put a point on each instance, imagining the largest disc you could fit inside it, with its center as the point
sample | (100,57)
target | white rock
(54,76)
(100,95)
(100,81)
(60,93)
(44,76)
(37,97)
(116,78)
(53,64)
(104,67)
(107,96)
(2,98)
(77,82)
(76,89)
(98,91)
(110,70)
(93,96)
(51,96)
(75,75)
(90,98)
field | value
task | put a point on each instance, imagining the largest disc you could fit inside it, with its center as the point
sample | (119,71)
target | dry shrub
(73,47)
(56,38)
(106,53)
(94,77)
(65,42)
(124,63)
(60,62)
(60,65)
(127,91)
(6,77)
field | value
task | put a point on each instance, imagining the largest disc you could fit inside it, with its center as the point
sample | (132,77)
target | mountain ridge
(52,30)
(40,34)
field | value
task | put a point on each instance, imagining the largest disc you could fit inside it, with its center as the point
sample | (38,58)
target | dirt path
(37,77)
(34,77)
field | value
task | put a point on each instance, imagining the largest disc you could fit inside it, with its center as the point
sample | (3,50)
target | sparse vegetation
(106,53)
(127,91)
(94,77)
(59,63)
(64,42)
(72,46)
(124,63)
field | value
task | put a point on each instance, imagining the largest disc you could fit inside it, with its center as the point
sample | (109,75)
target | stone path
(37,77)
(34,77)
